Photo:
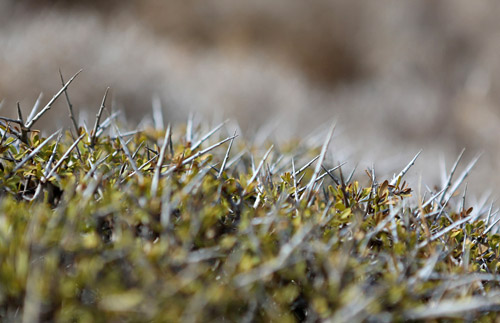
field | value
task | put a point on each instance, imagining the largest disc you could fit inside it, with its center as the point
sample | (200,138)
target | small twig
(235,159)
(452,308)
(256,173)
(137,149)
(171,144)
(129,156)
(46,170)
(98,119)
(156,176)
(106,123)
(489,214)
(303,168)
(464,174)
(492,225)
(19,122)
(273,167)
(349,178)
(24,130)
(457,184)
(189,129)
(36,106)
(54,151)
(395,180)
(126,134)
(198,154)
(226,157)
(94,167)
(146,163)
(433,197)
(205,137)
(19,113)
(450,177)
(204,151)
(462,207)
(320,177)
(331,175)
(66,154)
(324,149)
(47,107)
(445,230)
(70,106)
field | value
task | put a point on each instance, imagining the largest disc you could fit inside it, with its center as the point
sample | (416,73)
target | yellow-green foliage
(99,241)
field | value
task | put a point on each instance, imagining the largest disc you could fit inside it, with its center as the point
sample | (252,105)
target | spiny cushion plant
(169,225)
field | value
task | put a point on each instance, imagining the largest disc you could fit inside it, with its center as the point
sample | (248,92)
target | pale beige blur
(397,76)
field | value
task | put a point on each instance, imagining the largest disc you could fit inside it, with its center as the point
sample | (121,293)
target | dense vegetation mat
(162,225)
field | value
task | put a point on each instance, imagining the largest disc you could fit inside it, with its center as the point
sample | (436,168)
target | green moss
(95,242)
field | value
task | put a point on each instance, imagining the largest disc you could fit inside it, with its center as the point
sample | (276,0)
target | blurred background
(396,76)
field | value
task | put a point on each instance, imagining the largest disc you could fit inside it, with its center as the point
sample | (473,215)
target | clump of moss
(167,225)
